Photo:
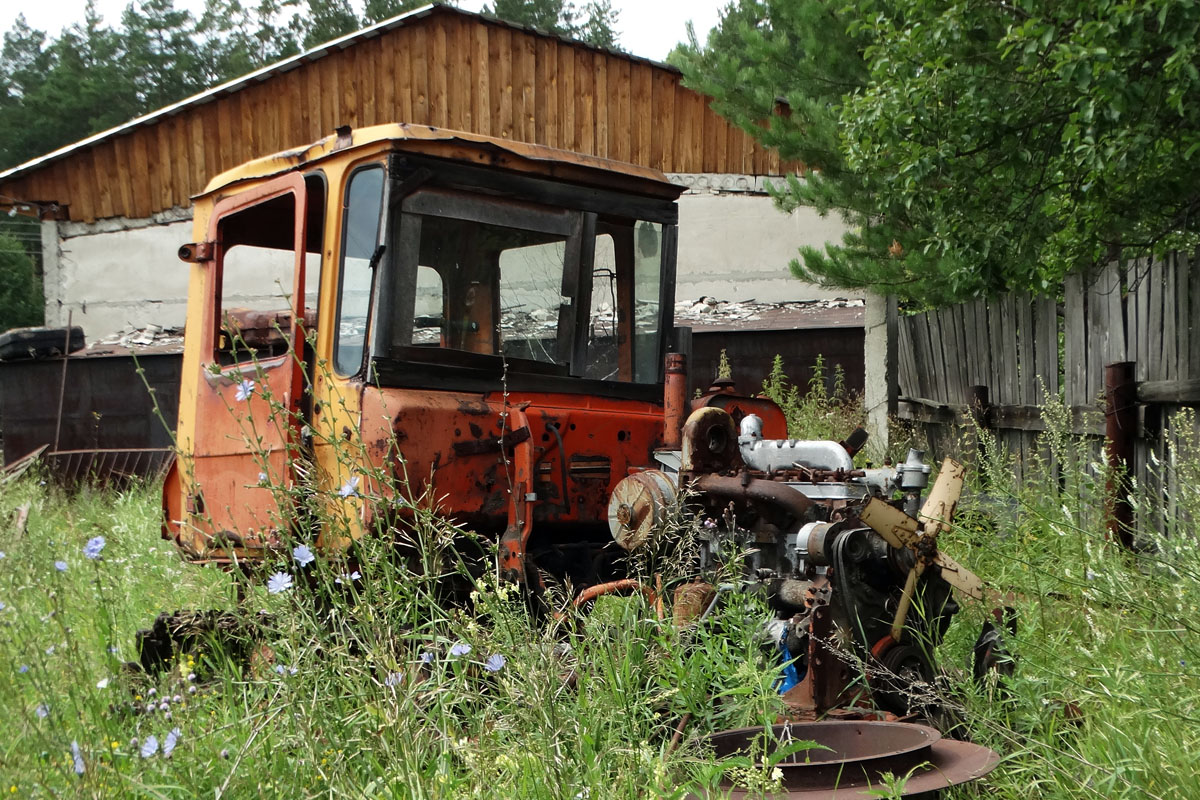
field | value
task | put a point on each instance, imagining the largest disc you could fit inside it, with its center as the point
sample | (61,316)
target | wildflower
(393,679)
(177,699)
(150,746)
(460,649)
(77,757)
(61,566)
(495,662)
(303,555)
(262,477)
(191,690)
(427,657)
(102,683)
(348,576)
(1091,576)
(112,648)
(2,606)
(92,549)
(172,739)
(2,554)
(151,692)
(349,488)
(191,676)
(50,650)
(280,669)
(23,669)
(224,754)
(164,706)
(244,390)
(42,710)
(279,582)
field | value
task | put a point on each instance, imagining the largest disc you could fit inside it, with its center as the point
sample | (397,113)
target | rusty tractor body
(490,324)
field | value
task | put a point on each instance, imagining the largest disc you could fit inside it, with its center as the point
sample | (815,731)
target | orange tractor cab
(486,326)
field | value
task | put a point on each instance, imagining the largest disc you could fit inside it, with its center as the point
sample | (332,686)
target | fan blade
(910,586)
(943,497)
(897,528)
(960,577)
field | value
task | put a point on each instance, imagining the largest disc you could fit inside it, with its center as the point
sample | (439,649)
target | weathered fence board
(1026,349)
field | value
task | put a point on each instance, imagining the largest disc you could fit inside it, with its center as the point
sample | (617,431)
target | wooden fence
(994,364)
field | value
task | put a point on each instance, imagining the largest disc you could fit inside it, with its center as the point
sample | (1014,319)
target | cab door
(251,382)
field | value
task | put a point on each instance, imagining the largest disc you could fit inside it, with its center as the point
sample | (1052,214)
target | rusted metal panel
(107,407)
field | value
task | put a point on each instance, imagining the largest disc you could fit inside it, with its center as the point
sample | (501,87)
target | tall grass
(368,683)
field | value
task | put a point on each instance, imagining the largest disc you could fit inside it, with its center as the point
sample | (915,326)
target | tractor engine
(789,512)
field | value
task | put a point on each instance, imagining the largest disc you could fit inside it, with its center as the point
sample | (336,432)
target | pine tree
(594,24)
(325,21)
(378,10)
(161,58)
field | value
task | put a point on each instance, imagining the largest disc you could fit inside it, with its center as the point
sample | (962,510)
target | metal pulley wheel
(638,506)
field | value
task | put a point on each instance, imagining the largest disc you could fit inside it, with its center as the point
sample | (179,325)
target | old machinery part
(674,400)
(920,537)
(913,473)
(710,442)
(754,492)
(852,757)
(638,506)
(771,455)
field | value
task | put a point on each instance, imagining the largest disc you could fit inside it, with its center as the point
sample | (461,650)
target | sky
(648,28)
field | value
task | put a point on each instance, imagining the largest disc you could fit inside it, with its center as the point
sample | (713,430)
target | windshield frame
(456,191)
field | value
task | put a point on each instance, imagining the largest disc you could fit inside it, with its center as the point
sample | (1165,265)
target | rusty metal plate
(859,753)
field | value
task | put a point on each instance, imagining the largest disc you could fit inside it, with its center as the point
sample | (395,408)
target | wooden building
(436,66)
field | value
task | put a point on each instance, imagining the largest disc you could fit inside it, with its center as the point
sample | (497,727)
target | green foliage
(971,147)
(20,294)
(818,413)
(593,23)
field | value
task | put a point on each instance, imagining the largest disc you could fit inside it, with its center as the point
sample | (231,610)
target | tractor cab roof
(532,159)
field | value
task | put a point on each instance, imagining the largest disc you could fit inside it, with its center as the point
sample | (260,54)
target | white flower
(77,757)
(244,390)
(102,683)
(279,582)
(349,488)
(352,576)
(172,739)
(149,747)
(303,555)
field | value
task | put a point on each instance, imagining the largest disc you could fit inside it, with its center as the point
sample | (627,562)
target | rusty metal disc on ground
(853,757)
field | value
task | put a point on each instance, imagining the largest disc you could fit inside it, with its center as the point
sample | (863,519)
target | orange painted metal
(675,400)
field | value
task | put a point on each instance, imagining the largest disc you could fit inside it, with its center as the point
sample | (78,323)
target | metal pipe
(675,405)
(1120,428)
(755,490)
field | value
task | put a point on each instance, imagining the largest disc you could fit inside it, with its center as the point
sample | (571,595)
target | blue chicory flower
(427,657)
(23,669)
(2,606)
(460,649)
(149,747)
(3,554)
(92,549)
(77,757)
(262,477)
(42,710)
(393,679)
(352,576)
(303,555)
(495,662)
(172,739)
(244,390)
(279,582)
(349,488)
(61,566)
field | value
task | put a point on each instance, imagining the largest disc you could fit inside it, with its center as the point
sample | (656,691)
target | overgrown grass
(374,693)
(379,691)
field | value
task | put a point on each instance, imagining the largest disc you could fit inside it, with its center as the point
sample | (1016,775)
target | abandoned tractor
(489,324)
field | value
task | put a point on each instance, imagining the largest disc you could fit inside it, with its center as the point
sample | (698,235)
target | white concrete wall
(115,275)
(737,246)
(733,245)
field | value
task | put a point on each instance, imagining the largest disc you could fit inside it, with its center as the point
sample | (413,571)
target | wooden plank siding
(445,69)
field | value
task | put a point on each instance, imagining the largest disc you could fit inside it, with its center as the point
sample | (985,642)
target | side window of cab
(362,210)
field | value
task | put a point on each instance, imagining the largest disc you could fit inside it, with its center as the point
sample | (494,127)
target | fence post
(1120,428)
